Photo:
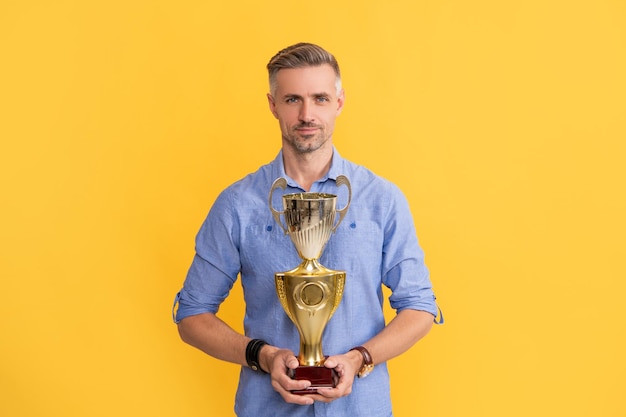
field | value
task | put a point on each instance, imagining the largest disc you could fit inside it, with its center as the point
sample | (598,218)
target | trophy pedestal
(320,377)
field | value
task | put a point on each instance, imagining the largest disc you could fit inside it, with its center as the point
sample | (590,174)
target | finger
(327,395)
(305,399)
(285,388)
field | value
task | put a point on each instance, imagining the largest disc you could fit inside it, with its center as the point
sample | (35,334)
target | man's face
(306,104)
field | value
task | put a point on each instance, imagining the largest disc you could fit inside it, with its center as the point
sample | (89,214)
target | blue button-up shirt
(376,245)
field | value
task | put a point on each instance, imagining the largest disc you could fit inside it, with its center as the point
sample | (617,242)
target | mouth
(307,130)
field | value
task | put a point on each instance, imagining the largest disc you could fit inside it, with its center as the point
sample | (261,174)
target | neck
(306,168)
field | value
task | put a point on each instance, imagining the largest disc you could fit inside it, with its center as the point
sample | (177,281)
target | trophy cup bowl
(310,293)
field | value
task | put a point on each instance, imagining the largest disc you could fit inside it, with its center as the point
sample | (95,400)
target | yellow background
(503,122)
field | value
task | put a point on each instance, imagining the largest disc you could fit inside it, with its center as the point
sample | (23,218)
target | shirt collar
(336,169)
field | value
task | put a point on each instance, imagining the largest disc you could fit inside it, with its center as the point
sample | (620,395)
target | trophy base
(320,377)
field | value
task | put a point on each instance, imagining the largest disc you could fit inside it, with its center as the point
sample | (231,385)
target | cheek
(329,113)
(285,121)
(286,117)
(285,126)
(329,120)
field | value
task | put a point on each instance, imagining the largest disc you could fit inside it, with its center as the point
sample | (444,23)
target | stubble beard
(308,143)
(305,144)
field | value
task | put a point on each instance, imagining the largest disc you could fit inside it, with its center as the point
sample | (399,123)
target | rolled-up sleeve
(404,270)
(215,266)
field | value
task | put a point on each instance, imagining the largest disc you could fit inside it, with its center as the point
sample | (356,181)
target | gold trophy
(310,293)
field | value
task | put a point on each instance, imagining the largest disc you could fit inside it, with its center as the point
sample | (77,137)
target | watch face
(366,370)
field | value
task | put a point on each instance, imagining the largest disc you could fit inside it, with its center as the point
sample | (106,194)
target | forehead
(306,80)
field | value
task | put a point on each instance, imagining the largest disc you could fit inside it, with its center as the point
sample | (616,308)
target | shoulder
(366,181)
(255,183)
(248,194)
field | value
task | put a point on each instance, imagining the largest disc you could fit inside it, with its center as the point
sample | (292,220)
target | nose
(305,114)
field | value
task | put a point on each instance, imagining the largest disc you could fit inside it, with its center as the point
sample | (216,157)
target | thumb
(292,363)
(330,362)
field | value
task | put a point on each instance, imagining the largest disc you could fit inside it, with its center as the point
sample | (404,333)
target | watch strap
(368,362)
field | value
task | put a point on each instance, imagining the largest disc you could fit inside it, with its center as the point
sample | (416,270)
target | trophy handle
(279,183)
(343,180)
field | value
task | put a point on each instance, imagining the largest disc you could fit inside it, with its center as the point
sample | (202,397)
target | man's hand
(346,366)
(278,362)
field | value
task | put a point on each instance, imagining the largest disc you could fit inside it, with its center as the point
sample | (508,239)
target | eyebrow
(314,95)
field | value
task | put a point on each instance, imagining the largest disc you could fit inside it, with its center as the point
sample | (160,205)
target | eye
(322,99)
(291,100)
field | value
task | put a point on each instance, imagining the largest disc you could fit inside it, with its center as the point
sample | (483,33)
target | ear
(341,99)
(272,104)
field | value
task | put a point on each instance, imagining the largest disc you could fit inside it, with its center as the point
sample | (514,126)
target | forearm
(214,337)
(406,329)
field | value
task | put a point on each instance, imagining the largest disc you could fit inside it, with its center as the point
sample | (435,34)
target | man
(375,244)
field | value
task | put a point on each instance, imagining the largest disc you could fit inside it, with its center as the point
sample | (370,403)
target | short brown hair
(298,56)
